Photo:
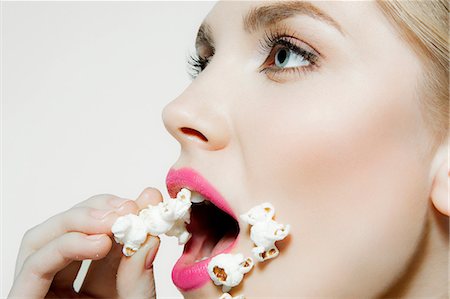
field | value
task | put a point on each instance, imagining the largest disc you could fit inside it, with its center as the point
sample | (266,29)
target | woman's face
(334,139)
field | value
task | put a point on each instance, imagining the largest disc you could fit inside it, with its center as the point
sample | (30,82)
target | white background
(83,87)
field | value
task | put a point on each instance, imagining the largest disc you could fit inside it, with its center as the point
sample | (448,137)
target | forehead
(351,18)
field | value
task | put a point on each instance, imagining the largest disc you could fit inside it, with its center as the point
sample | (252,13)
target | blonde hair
(424,26)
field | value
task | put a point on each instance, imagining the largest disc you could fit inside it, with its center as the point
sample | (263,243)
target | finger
(36,275)
(107,267)
(149,196)
(100,280)
(102,201)
(80,219)
(135,274)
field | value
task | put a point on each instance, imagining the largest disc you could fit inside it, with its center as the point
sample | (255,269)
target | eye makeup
(196,64)
(280,45)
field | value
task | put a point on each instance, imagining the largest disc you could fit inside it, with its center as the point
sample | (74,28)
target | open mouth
(214,228)
(213,231)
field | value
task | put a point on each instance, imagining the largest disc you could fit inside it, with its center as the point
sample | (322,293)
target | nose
(196,121)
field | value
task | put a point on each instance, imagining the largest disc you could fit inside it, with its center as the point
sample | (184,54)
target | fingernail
(116,201)
(151,252)
(101,214)
(94,237)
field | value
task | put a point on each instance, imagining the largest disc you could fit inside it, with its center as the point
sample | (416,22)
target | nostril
(194,133)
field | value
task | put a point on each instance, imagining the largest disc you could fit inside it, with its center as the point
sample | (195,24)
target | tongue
(203,232)
(223,243)
(201,246)
(210,230)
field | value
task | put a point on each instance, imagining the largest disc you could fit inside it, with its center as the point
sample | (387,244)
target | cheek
(345,170)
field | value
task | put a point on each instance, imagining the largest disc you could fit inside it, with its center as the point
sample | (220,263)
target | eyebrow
(271,14)
(267,15)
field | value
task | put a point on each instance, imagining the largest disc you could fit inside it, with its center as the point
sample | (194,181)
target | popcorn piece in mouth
(265,231)
(167,217)
(228,296)
(228,269)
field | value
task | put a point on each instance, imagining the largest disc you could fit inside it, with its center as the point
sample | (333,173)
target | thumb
(135,274)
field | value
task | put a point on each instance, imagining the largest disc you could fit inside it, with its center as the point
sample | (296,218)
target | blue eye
(287,58)
(286,55)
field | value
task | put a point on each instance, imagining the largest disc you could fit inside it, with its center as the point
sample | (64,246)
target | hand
(51,253)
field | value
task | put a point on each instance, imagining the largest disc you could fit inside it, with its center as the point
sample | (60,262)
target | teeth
(197,197)
(202,259)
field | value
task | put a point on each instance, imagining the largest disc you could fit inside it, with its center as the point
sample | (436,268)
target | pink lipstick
(214,229)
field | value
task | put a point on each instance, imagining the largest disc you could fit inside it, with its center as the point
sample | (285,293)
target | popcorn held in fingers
(130,231)
(228,269)
(179,230)
(265,231)
(154,221)
(228,296)
(167,217)
(178,208)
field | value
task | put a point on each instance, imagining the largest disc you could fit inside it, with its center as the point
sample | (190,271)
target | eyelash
(282,37)
(196,64)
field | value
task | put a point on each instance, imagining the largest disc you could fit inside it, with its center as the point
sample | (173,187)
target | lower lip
(188,276)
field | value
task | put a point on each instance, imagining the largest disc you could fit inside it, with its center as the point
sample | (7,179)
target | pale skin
(342,152)
(83,232)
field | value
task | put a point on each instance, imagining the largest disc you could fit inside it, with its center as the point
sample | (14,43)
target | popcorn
(130,231)
(228,296)
(265,231)
(167,217)
(262,212)
(154,221)
(179,230)
(228,269)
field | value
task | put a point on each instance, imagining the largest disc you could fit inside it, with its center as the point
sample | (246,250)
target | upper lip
(188,178)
